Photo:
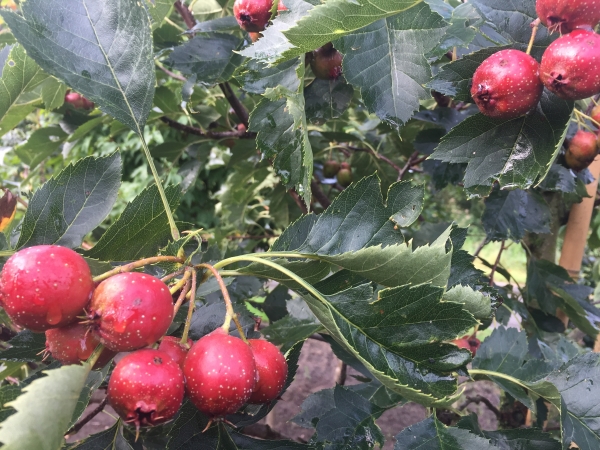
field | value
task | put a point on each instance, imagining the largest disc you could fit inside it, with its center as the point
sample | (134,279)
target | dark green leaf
(211,58)
(103,50)
(386,61)
(93,382)
(26,346)
(41,144)
(275,306)
(73,203)
(327,99)
(141,229)
(110,439)
(516,153)
(559,179)
(289,330)
(256,78)
(221,24)
(510,214)
(53,93)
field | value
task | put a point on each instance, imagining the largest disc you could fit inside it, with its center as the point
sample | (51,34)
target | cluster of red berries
(49,288)
(253,16)
(509,83)
(341,171)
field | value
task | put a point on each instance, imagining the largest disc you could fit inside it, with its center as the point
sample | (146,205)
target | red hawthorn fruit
(331,168)
(73,344)
(564,16)
(146,388)
(582,150)
(130,311)
(173,347)
(253,15)
(78,101)
(470,343)
(595,114)
(220,373)
(45,286)
(326,62)
(571,65)
(271,368)
(507,85)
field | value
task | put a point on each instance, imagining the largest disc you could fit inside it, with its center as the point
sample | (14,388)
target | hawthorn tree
(338,149)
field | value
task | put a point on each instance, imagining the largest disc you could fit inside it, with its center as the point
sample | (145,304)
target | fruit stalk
(180,283)
(182,296)
(535,25)
(136,265)
(230,314)
(95,355)
(188,320)
(585,116)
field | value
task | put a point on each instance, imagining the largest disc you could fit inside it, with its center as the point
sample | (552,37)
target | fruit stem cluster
(136,265)
(192,303)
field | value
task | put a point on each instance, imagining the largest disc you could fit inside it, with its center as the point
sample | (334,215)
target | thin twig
(79,425)
(480,248)
(412,161)
(376,155)
(208,134)
(495,266)
(185,14)
(171,74)
(480,399)
(237,106)
(319,194)
(298,201)
(341,376)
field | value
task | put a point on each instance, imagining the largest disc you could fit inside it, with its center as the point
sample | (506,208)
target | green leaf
(93,382)
(8,393)
(140,230)
(18,77)
(255,78)
(38,422)
(102,50)
(73,203)
(210,58)
(53,93)
(431,434)
(477,303)
(159,10)
(110,439)
(342,417)
(510,214)
(41,144)
(516,153)
(26,346)
(386,60)
(289,330)
(327,99)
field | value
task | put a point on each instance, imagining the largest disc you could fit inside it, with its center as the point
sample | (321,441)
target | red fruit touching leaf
(173,347)
(252,15)
(45,286)
(582,150)
(130,311)
(146,388)
(470,343)
(506,85)
(272,369)
(326,63)
(78,101)
(73,344)
(344,177)
(563,16)
(571,65)
(220,373)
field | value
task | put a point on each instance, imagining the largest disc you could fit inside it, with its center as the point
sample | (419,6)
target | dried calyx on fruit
(220,373)
(582,150)
(507,85)
(326,62)
(73,344)
(130,311)
(563,16)
(45,286)
(146,388)
(571,65)
(271,368)
(252,15)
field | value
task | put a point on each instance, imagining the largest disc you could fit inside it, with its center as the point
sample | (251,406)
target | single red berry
(326,62)
(331,168)
(146,388)
(564,16)
(344,165)
(45,286)
(595,114)
(73,344)
(220,373)
(130,311)
(344,177)
(272,369)
(470,343)
(582,150)
(571,65)
(78,101)
(507,85)
(252,15)
(173,347)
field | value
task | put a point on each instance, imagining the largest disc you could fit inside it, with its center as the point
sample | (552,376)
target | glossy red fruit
(130,311)
(595,114)
(564,16)
(252,15)
(506,85)
(271,368)
(326,63)
(173,347)
(45,286)
(73,344)
(571,65)
(220,373)
(331,168)
(582,150)
(344,177)
(146,388)
(78,101)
